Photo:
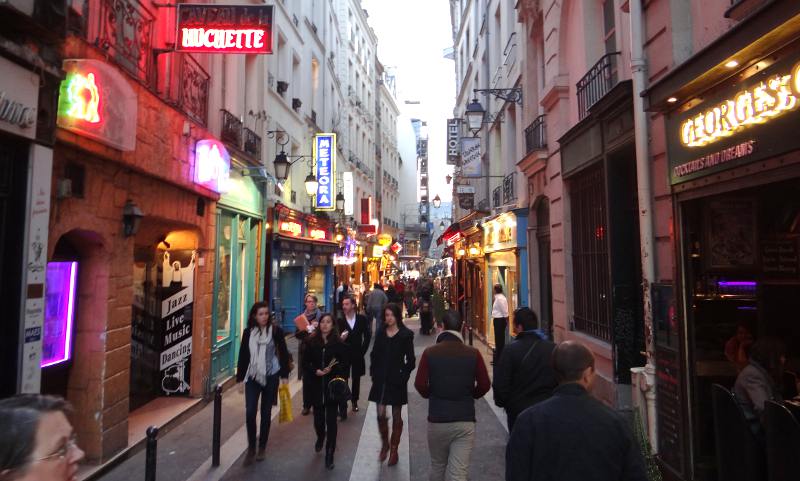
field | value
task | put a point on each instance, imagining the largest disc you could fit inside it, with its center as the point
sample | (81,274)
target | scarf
(262,351)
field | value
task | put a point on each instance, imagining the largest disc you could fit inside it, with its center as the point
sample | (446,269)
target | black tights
(397,412)
(325,423)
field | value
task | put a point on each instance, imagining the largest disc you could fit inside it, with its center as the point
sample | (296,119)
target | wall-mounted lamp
(131,218)
(437,201)
(340,201)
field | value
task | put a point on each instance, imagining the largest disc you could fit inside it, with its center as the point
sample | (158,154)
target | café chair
(740,457)
(783,443)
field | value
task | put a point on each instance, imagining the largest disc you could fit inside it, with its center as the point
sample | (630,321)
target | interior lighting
(731,64)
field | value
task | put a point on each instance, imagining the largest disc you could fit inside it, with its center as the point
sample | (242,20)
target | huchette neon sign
(755,105)
(213,28)
(214,39)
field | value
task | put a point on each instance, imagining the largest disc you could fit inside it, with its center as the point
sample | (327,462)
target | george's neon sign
(83,98)
(292,228)
(224,28)
(756,105)
(318,234)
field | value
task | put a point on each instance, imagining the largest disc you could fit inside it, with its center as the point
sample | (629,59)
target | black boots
(329,457)
(318,445)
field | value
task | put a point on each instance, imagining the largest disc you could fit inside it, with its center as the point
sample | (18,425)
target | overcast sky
(412,37)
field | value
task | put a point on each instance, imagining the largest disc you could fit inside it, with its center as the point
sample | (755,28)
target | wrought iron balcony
(597,82)
(509,189)
(125,32)
(497,194)
(231,129)
(194,85)
(252,143)
(483,204)
(536,135)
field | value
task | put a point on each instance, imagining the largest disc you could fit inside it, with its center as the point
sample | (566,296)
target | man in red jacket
(451,375)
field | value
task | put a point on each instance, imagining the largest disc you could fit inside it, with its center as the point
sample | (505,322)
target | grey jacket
(753,389)
(376,299)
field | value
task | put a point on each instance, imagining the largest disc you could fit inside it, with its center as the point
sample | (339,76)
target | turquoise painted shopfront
(239,270)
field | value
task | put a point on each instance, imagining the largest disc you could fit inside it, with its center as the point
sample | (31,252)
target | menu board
(668,409)
(779,257)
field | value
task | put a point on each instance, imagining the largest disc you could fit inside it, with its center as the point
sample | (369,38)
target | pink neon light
(64,342)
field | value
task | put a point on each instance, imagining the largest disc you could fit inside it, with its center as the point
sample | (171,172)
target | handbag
(285,404)
(338,390)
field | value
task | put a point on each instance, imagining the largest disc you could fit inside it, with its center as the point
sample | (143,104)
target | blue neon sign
(325,158)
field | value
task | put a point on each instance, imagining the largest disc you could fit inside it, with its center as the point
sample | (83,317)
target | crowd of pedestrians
(557,430)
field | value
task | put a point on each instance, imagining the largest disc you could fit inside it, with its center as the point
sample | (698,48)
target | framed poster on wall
(731,233)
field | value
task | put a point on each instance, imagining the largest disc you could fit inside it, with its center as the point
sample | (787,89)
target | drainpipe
(641,134)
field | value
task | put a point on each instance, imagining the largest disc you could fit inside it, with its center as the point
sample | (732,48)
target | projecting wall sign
(224,28)
(325,159)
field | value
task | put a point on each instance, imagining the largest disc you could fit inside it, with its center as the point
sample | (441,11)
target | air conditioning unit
(283,86)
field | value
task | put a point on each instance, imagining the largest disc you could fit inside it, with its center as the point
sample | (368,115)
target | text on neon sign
(755,105)
(291,227)
(318,234)
(240,39)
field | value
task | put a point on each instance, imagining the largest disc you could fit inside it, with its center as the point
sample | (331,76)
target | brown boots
(397,431)
(383,428)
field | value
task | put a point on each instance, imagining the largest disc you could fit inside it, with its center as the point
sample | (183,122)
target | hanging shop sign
(450,241)
(741,122)
(384,240)
(471,157)
(466,201)
(212,165)
(325,159)
(318,234)
(396,247)
(377,251)
(453,144)
(349,196)
(19,98)
(224,28)
(96,101)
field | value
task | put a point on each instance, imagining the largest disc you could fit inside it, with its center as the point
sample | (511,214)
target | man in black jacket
(356,334)
(573,436)
(524,374)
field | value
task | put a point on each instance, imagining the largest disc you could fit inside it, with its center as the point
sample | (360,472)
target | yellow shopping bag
(284,404)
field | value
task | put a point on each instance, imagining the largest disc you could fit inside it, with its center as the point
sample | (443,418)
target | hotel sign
(453,141)
(211,28)
(325,159)
(741,122)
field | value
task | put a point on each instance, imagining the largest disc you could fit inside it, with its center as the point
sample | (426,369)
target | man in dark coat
(524,374)
(573,436)
(356,334)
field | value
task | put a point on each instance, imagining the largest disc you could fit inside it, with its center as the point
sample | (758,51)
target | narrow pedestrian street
(184,453)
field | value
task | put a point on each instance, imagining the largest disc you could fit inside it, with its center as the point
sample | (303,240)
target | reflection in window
(224,273)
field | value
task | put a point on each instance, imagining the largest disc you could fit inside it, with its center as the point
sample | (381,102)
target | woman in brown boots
(392,360)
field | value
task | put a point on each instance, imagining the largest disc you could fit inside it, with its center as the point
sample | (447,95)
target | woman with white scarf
(263,358)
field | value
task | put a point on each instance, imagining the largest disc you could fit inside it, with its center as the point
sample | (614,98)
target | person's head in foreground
(38,442)
(574,363)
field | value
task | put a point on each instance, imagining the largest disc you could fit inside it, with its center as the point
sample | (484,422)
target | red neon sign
(453,239)
(292,228)
(224,28)
(318,234)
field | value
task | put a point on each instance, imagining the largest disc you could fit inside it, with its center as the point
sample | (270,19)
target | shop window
(590,254)
(59,314)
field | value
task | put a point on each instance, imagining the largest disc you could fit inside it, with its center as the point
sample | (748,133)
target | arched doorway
(544,293)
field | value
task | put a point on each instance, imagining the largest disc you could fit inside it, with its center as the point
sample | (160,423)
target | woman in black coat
(355,332)
(261,373)
(391,362)
(322,348)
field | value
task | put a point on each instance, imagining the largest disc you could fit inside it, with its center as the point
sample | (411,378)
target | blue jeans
(252,391)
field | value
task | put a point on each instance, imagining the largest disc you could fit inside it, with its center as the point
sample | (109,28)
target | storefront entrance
(741,273)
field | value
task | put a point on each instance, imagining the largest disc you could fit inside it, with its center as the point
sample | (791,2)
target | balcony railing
(597,82)
(194,85)
(252,143)
(509,189)
(497,196)
(536,135)
(125,32)
(483,204)
(231,129)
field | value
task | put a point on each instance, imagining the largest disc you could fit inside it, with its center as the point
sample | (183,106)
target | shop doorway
(291,292)
(742,272)
(544,281)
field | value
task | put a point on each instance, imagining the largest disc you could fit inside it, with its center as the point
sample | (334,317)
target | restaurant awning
(460,225)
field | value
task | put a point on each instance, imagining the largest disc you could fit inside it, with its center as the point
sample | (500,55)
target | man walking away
(500,320)
(573,436)
(376,300)
(524,374)
(451,375)
(355,333)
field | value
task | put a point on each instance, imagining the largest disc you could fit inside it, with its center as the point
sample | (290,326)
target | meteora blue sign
(325,159)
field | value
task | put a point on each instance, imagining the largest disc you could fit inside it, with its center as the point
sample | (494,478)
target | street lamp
(437,201)
(281,164)
(311,184)
(474,114)
(339,201)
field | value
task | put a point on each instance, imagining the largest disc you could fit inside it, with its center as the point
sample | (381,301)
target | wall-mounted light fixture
(131,218)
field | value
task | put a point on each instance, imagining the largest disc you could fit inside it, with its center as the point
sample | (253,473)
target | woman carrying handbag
(392,360)
(263,358)
(325,363)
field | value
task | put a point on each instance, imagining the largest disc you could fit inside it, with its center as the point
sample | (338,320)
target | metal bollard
(470,332)
(150,456)
(217,427)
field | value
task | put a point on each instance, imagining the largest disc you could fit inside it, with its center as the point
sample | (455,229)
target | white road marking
(366,466)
